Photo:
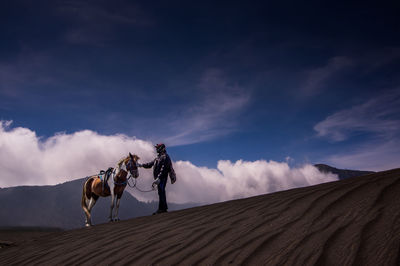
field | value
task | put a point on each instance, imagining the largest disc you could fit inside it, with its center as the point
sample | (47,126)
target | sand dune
(353,221)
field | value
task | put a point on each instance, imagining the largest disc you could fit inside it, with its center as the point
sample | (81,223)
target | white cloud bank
(26,159)
(240,179)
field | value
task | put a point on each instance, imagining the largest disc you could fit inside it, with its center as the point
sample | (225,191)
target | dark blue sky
(316,81)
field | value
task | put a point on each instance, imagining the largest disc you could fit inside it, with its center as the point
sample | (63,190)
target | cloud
(379,118)
(240,179)
(379,115)
(211,111)
(374,156)
(26,159)
(367,63)
(316,78)
(213,114)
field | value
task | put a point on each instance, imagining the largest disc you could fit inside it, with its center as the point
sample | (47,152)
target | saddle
(104,176)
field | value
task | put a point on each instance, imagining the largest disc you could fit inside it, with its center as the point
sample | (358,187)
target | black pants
(162,204)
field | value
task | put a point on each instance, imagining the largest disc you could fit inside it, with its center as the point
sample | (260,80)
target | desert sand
(350,222)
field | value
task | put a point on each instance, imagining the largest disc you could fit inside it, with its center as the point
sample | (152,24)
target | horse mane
(126,159)
(123,160)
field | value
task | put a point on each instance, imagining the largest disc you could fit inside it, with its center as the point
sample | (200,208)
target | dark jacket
(162,166)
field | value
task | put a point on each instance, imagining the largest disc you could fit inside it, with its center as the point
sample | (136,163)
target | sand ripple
(353,221)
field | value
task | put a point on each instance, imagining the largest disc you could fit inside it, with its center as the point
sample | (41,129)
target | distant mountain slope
(342,173)
(60,206)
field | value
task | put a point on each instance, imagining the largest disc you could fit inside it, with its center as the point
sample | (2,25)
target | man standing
(162,166)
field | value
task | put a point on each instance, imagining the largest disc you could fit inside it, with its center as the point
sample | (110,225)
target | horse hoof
(88,225)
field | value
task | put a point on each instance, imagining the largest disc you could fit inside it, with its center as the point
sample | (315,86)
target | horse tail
(84,196)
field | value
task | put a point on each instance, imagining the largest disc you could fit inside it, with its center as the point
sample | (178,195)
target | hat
(160,147)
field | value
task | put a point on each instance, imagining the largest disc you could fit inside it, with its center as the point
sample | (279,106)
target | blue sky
(303,82)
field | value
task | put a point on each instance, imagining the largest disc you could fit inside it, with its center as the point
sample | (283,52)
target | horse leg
(117,208)
(112,207)
(84,203)
(92,202)
(88,221)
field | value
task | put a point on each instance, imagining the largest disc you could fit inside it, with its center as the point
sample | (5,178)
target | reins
(135,185)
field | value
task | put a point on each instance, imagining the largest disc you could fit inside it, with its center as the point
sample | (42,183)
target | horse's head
(131,165)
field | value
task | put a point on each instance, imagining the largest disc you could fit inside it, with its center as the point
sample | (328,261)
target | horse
(94,187)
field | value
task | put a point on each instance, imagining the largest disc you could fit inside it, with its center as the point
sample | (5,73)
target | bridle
(129,167)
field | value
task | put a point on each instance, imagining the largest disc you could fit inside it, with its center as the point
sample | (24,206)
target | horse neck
(117,175)
(121,166)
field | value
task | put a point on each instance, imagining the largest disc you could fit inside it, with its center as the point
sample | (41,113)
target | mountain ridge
(342,173)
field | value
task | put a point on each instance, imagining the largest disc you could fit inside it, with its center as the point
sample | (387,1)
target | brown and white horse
(94,187)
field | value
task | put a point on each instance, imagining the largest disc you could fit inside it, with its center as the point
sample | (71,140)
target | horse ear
(130,155)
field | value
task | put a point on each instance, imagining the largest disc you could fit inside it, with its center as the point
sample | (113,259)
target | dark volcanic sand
(10,236)
(353,221)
